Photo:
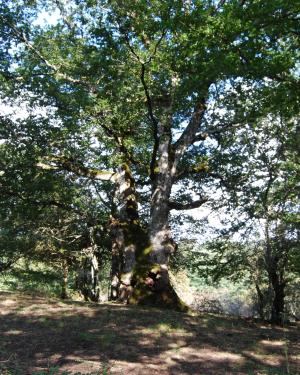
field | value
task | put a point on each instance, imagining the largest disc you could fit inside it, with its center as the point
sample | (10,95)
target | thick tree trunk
(162,246)
(151,279)
(278,288)
(124,247)
(155,287)
(144,276)
(141,276)
(125,233)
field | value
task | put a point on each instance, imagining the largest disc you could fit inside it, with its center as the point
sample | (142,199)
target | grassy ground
(40,280)
(43,336)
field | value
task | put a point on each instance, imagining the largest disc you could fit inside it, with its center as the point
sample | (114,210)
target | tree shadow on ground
(36,334)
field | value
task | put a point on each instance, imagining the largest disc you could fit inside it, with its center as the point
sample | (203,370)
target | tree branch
(156,47)
(217,7)
(22,37)
(195,171)
(77,168)
(120,144)
(154,124)
(187,206)
(44,203)
(148,97)
(189,133)
(62,11)
(152,117)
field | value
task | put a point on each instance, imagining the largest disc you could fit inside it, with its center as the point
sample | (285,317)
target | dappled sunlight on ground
(274,343)
(36,334)
(267,359)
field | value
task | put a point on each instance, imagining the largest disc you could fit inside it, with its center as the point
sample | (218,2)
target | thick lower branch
(79,169)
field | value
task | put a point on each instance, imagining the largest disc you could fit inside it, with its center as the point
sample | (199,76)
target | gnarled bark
(141,254)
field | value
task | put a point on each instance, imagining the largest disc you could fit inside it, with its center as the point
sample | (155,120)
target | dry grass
(37,334)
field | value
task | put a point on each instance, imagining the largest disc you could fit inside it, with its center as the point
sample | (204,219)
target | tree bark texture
(140,255)
(123,230)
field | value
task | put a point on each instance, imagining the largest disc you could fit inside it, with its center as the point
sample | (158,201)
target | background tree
(48,217)
(264,203)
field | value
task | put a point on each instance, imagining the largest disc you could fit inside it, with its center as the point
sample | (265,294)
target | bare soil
(37,334)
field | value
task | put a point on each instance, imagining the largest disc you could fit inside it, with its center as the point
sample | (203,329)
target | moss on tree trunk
(150,283)
(139,278)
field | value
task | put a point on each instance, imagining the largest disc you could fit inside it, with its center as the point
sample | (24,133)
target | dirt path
(38,334)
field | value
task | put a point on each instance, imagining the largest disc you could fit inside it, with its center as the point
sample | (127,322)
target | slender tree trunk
(278,285)
(117,248)
(88,278)
(277,312)
(261,302)
(64,283)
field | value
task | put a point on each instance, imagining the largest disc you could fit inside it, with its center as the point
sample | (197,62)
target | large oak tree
(136,91)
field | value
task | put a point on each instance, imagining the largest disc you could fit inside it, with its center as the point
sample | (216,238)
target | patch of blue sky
(47,18)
